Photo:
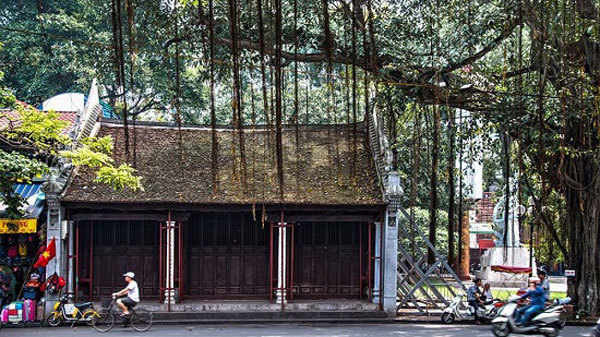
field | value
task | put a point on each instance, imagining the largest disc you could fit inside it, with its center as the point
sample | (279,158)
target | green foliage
(119,178)
(16,168)
(96,153)
(422,221)
(39,135)
(40,130)
(19,168)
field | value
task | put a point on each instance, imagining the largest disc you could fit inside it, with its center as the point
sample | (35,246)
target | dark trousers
(475,305)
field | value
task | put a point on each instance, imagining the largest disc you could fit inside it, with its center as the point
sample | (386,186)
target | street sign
(569,273)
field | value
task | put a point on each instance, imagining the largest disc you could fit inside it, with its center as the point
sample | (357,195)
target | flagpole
(27,275)
(29,271)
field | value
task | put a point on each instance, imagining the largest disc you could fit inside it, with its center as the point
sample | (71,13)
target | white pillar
(280,295)
(390,263)
(170,263)
(71,264)
(377,262)
(54,230)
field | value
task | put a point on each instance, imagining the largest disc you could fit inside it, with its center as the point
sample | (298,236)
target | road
(281,330)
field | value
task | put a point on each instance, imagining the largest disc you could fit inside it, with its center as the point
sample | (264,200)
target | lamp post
(531,205)
(394,190)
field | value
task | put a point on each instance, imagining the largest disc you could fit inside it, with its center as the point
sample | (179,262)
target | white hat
(129,274)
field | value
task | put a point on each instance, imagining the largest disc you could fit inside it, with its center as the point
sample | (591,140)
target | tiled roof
(68,116)
(318,173)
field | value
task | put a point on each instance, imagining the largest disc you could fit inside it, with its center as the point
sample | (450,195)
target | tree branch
(508,29)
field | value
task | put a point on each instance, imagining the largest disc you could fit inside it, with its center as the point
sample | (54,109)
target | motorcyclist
(538,301)
(473,297)
(487,294)
(544,283)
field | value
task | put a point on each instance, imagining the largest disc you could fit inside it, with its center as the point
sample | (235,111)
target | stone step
(261,306)
(258,316)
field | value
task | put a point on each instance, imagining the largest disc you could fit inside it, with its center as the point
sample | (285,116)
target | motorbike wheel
(562,320)
(54,319)
(500,330)
(552,333)
(448,318)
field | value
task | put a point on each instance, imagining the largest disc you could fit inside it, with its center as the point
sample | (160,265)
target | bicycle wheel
(141,320)
(103,320)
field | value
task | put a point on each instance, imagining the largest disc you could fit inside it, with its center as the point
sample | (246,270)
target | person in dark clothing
(474,298)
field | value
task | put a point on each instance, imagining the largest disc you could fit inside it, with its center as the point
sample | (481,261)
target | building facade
(328,233)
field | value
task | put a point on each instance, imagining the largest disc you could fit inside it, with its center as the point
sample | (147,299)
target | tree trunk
(451,186)
(465,261)
(433,187)
(583,222)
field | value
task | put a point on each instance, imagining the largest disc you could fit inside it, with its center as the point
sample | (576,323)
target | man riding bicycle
(132,291)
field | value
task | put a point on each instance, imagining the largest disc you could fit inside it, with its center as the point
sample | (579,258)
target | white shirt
(488,295)
(133,292)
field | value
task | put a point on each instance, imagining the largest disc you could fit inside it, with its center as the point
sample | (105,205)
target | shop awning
(486,244)
(511,269)
(34,199)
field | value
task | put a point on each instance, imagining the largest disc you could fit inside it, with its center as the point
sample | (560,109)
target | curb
(401,321)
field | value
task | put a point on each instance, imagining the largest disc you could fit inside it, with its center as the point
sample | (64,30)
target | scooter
(71,313)
(596,331)
(546,323)
(456,310)
(557,305)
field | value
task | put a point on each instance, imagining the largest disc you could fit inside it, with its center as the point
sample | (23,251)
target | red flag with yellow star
(47,255)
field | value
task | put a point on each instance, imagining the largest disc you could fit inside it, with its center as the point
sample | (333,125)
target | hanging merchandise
(19,280)
(12,249)
(3,247)
(53,284)
(31,291)
(23,248)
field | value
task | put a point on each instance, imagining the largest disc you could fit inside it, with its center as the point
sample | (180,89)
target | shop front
(22,240)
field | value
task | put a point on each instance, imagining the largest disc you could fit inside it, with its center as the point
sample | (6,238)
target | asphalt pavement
(280,330)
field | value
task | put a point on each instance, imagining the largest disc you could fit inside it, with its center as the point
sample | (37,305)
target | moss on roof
(174,174)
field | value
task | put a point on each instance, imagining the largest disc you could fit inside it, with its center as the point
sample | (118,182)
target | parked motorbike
(65,312)
(596,331)
(546,322)
(558,306)
(457,310)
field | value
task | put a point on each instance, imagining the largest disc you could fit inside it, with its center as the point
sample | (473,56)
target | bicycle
(140,320)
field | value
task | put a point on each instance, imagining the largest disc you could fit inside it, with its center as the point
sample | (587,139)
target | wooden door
(326,259)
(118,246)
(227,256)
